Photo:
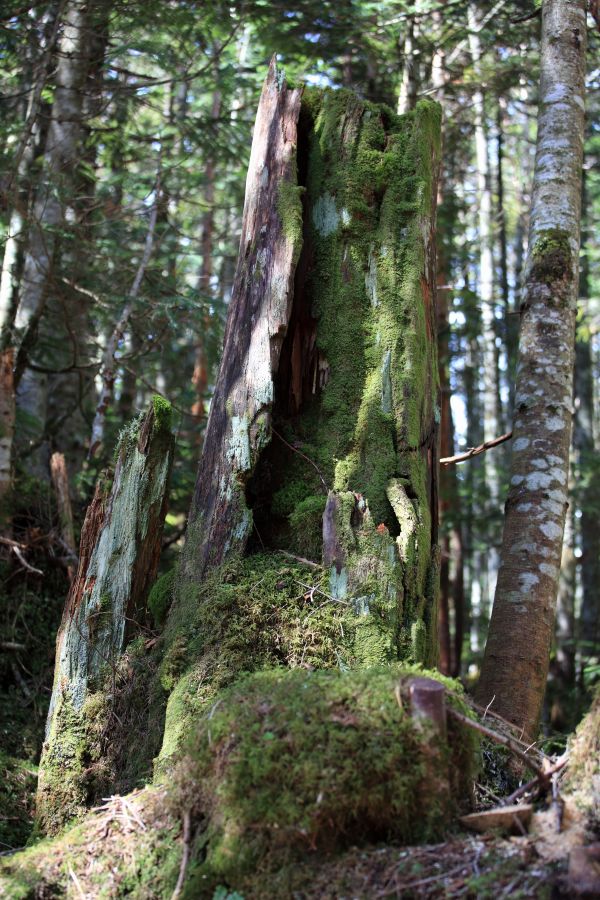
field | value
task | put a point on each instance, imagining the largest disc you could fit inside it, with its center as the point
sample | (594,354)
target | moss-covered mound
(258,612)
(286,763)
(285,767)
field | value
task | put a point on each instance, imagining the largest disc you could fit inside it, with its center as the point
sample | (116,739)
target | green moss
(163,414)
(552,257)
(306,524)
(369,194)
(160,597)
(255,613)
(288,762)
(289,207)
(128,436)
(62,789)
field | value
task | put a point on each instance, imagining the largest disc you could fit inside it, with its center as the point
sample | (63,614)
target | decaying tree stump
(321,439)
(118,559)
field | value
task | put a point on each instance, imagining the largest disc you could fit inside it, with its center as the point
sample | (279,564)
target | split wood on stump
(322,435)
(118,559)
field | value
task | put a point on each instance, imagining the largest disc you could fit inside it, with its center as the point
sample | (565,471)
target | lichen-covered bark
(119,554)
(518,648)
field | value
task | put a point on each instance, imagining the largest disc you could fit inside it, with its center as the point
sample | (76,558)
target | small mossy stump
(119,555)
(322,436)
(294,762)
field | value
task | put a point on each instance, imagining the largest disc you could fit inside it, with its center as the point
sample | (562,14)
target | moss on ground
(258,612)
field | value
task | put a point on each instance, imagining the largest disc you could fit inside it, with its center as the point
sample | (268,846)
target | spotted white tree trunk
(517,652)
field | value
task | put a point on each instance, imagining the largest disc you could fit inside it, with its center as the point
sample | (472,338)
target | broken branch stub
(428,703)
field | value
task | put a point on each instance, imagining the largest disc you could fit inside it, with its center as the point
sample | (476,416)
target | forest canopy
(299,479)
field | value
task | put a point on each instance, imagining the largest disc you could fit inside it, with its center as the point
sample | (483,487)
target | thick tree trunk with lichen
(118,559)
(521,630)
(321,440)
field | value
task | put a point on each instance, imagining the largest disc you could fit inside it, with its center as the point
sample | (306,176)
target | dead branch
(498,739)
(475,451)
(302,560)
(537,782)
(8,646)
(187,840)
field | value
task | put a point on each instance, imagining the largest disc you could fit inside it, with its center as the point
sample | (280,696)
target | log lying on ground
(119,555)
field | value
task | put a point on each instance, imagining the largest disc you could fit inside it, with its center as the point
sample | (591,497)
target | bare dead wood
(301,560)
(11,646)
(512,819)
(60,482)
(428,703)
(475,451)
(240,414)
(539,782)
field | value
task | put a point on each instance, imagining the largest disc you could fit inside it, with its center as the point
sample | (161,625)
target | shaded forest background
(142,260)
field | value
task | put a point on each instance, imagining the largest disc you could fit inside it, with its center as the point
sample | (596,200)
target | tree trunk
(522,626)
(588,468)
(118,559)
(322,439)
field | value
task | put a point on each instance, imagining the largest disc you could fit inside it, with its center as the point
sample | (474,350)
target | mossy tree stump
(118,559)
(322,436)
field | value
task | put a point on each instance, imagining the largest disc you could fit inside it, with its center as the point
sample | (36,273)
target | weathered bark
(259,312)
(326,398)
(118,559)
(521,630)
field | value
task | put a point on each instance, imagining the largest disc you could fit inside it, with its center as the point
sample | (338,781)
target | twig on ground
(185,858)
(301,560)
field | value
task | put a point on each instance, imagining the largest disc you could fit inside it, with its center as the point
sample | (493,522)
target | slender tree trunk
(54,207)
(201,374)
(309,448)
(407,95)
(588,469)
(522,626)
(109,357)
